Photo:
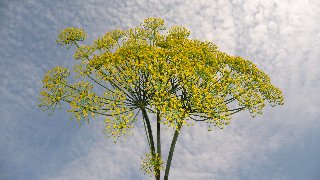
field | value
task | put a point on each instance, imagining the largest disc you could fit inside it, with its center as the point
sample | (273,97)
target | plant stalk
(158,140)
(152,148)
(173,144)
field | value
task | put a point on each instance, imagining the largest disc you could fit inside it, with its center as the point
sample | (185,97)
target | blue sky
(281,37)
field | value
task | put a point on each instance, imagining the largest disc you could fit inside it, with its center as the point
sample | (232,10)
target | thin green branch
(172,146)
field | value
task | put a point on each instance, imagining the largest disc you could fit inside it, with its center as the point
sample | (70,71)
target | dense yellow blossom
(150,164)
(70,35)
(147,68)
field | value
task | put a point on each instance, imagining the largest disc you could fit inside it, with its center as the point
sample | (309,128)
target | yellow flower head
(70,35)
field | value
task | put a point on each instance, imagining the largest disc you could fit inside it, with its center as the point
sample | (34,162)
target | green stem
(152,148)
(145,115)
(173,144)
(158,140)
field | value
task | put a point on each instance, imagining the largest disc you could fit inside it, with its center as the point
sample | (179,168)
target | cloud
(281,37)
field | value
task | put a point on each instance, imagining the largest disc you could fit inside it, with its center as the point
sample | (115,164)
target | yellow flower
(70,35)
(143,67)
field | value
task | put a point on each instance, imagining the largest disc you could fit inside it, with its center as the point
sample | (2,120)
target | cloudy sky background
(281,37)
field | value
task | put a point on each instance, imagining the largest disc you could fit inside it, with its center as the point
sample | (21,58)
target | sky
(281,37)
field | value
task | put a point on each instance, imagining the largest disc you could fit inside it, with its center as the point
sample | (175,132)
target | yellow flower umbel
(71,35)
(151,164)
(146,69)
(184,79)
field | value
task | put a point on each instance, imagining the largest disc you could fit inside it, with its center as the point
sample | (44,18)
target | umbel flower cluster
(183,79)
(150,69)
(150,161)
